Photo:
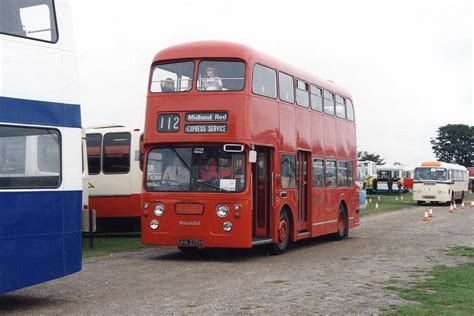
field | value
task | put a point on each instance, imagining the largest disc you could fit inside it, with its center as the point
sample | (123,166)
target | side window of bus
(318,173)
(349,174)
(342,176)
(316,99)
(288,171)
(340,107)
(29,19)
(350,110)
(302,93)
(172,77)
(94,146)
(286,86)
(221,75)
(331,173)
(264,81)
(328,102)
(48,153)
(116,156)
(29,158)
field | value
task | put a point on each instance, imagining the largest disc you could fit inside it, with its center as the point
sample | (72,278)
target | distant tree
(363,155)
(455,144)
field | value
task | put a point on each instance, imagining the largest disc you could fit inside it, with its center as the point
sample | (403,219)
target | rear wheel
(342,224)
(283,237)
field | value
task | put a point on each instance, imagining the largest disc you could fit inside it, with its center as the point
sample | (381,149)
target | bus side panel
(42,223)
(116,206)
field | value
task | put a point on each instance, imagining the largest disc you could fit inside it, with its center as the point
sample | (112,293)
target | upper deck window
(264,81)
(350,110)
(302,94)
(29,19)
(172,77)
(287,89)
(340,107)
(221,75)
(316,98)
(328,102)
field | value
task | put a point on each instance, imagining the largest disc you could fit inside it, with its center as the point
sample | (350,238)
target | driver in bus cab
(212,82)
(176,173)
(207,169)
(167,85)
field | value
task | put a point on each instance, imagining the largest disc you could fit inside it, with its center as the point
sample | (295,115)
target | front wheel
(283,238)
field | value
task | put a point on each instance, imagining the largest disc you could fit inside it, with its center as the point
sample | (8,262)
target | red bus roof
(222,49)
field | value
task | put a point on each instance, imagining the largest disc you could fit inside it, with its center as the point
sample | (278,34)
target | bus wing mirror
(253,156)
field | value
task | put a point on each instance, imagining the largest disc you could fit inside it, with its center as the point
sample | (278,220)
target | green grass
(104,245)
(447,291)
(388,203)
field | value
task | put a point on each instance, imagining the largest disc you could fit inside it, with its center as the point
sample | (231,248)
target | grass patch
(388,203)
(104,245)
(447,291)
(462,251)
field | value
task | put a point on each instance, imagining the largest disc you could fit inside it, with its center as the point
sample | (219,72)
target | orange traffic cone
(396,198)
(462,205)
(401,198)
(370,200)
(472,203)
(426,218)
(378,197)
(376,205)
(430,212)
(455,207)
(451,209)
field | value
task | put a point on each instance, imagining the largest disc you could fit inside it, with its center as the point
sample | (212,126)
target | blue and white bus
(40,144)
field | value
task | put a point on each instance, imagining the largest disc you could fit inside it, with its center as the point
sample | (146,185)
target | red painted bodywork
(116,206)
(253,120)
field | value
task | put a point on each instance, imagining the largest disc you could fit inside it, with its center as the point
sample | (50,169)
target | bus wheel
(188,251)
(342,227)
(283,238)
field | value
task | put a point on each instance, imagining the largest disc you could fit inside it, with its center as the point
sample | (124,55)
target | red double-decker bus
(242,150)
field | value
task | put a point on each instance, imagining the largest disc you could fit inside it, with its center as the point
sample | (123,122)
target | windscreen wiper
(179,156)
(210,186)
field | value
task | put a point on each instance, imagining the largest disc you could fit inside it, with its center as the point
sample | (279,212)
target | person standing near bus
(212,82)
(208,169)
(176,173)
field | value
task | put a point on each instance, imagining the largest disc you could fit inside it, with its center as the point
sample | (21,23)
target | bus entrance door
(302,183)
(261,190)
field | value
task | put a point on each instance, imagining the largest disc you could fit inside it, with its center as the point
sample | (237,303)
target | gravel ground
(315,276)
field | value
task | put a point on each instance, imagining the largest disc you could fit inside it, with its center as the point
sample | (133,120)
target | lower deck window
(29,157)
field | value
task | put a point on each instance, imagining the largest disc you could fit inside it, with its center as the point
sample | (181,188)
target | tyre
(283,238)
(342,224)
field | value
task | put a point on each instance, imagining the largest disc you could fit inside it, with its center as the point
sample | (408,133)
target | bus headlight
(154,224)
(159,209)
(227,226)
(222,210)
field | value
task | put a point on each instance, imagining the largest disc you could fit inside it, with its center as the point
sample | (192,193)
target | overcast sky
(408,64)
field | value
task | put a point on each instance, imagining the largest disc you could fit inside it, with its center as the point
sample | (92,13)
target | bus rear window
(29,158)
(221,75)
(116,157)
(172,77)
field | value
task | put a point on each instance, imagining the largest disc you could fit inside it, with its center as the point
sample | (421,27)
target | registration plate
(190,242)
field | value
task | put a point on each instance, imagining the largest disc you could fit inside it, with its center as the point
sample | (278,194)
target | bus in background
(389,173)
(407,176)
(369,174)
(40,144)
(440,182)
(236,158)
(113,155)
(471,178)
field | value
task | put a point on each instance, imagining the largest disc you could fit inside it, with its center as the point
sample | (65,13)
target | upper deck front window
(172,77)
(221,75)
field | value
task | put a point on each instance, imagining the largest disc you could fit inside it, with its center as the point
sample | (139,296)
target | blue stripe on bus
(40,237)
(39,112)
